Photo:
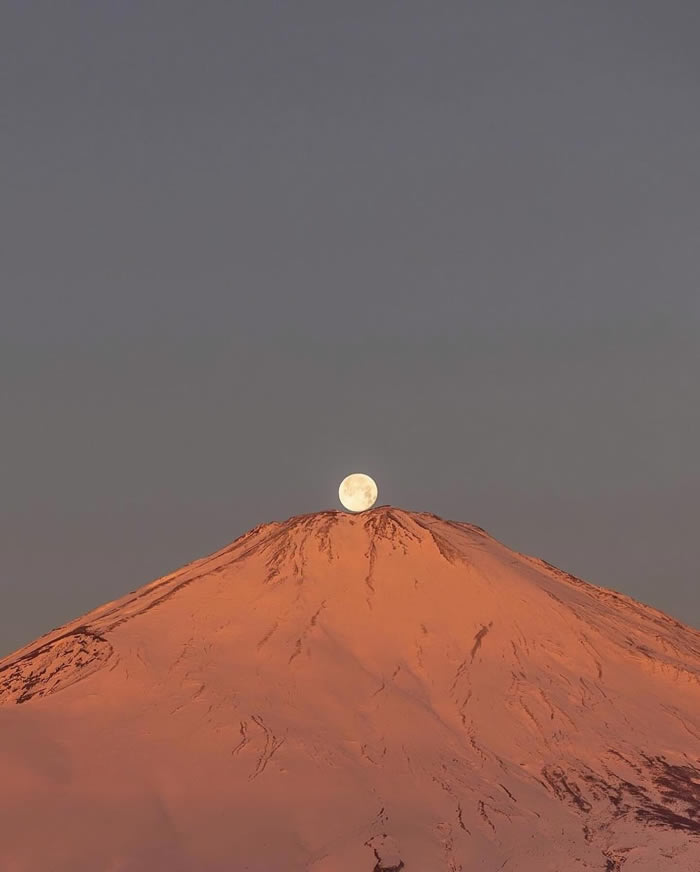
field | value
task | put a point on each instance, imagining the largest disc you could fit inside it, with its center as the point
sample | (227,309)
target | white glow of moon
(357,492)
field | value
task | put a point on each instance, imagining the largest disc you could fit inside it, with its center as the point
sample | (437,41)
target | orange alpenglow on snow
(349,693)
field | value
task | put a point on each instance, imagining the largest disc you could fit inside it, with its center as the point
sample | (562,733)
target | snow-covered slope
(343,693)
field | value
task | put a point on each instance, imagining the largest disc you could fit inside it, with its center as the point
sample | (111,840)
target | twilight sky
(247,248)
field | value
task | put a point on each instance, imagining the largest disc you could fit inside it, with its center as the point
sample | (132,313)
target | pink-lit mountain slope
(365,693)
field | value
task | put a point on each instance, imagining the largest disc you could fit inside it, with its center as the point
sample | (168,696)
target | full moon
(357,492)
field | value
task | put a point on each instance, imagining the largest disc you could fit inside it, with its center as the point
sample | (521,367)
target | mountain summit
(355,693)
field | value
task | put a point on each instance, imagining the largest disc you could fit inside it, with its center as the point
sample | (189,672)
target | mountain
(355,693)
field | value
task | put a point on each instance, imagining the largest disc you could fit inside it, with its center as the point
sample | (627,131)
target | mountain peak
(339,693)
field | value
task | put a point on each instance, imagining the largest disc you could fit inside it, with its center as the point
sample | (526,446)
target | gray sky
(247,248)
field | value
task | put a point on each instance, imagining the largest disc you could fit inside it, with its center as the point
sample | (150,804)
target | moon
(358,492)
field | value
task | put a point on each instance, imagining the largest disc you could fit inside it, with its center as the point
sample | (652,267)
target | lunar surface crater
(358,492)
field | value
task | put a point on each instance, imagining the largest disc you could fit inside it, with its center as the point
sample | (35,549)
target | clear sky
(247,248)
